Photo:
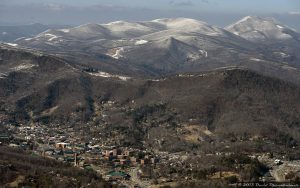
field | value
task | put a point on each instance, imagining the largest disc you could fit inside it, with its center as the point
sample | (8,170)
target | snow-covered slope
(261,29)
(82,32)
(164,55)
(88,31)
(91,31)
(122,29)
(188,25)
(166,45)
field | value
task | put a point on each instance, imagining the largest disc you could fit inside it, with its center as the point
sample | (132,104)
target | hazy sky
(273,6)
(74,12)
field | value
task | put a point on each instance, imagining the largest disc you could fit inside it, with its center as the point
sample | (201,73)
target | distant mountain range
(166,46)
(11,33)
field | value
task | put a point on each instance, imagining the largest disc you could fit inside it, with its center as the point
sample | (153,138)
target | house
(115,152)
(123,161)
(126,153)
(61,145)
(133,161)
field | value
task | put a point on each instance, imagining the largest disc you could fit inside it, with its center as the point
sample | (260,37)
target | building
(126,153)
(61,145)
(133,161)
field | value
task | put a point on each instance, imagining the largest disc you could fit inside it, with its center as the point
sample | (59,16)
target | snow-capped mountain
(262,29)
(188,25)
(122,29)
(92,31)
(130,35)
(282,41)
(11,33)
(171,45)
(127,30)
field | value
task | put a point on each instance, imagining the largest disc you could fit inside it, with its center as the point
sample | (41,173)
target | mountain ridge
(255,28)
(226,100)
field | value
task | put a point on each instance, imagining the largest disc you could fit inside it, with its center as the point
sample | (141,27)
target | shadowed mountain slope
(36,87)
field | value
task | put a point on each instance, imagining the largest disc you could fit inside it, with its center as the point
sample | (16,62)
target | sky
(76,12)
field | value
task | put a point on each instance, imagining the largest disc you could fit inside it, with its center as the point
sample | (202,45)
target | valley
(161,103)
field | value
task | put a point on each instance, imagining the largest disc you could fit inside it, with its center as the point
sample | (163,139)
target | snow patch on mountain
(157,80)
(193,57)
(108,75)
(3,75)
(65,30)
(282,54)
(186,75)
(256,59)
(12,44)
(116,53)
(287,67)
(116,22)
(203,52)
(52,37)
(191,75)
(23,66)
(189,25)
(280,27)
(122,29)
(140,42)
(21,38)
(243,19)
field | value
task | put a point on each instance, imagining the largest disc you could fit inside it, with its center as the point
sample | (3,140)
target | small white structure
(277,162)
(61,145)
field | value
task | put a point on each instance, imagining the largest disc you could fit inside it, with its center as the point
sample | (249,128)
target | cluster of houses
(65,146)
(128,157)
(77,153)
